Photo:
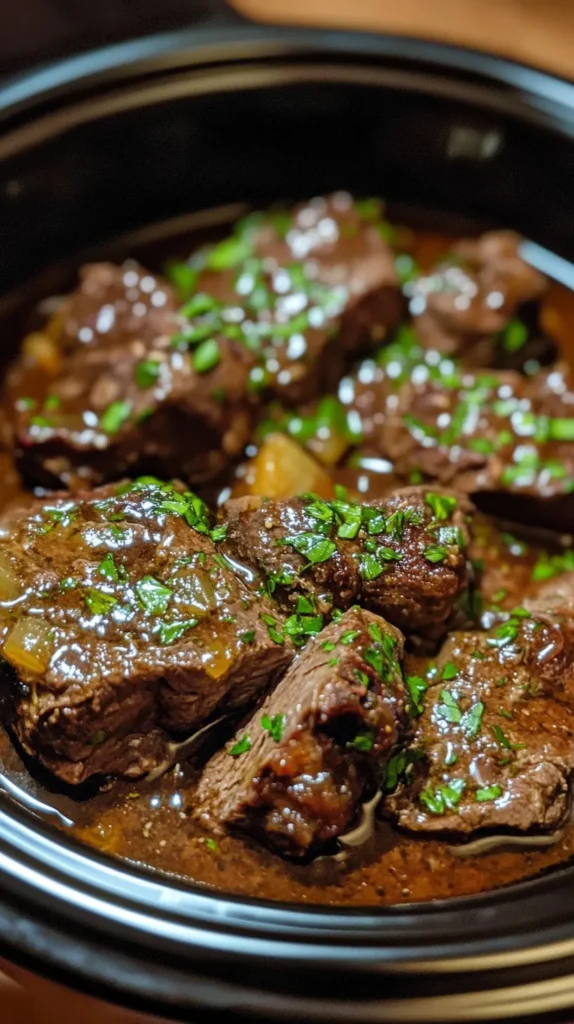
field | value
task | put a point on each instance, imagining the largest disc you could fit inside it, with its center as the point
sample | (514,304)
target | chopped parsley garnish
(153,595)
(472,719)
(503,740)
(313,546)
(417,687)
(274,632)
(504,713)
(228,253)
(504,634)
(488,793)
(241,747)
(449,709)
(450,671)
(274,726)
(514,336)
(98,602)
(301,627)
(172,631)
(361,677)
(247,637)
(399,768)
(363,741)
(108,568)
(147,373)
(435,553)
(442,505)
(548,566)
(349,636)
(114,417)
(206,356)
(444,798)
(211,845)
(328,645)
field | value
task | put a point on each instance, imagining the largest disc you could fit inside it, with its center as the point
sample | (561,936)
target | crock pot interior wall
(280,116)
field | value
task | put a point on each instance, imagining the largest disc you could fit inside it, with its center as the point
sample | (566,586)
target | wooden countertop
(538,32)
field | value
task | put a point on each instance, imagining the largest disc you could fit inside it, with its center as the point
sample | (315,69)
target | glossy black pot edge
(242,42)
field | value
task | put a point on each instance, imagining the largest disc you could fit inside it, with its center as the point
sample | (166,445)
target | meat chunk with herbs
(121,622)
(402,556)
(129,410)
(305,289)
(482,302)
(503,436)
(295,774)
(494,745)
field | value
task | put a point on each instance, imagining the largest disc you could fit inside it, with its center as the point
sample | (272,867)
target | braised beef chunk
(114,304)
(481,302)
(401,556)
(136,406)
(495,739)
(489,433)
(120,620)
(295,773)
(306,288)
(273,311)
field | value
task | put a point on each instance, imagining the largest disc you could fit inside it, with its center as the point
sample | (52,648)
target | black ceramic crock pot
(97,147)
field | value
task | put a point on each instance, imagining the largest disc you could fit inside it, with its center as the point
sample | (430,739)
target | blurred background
(536,31)
(539,32)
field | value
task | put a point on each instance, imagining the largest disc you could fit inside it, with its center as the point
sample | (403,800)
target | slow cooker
(145,132)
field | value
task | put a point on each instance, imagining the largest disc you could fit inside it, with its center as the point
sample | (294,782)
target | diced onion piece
(10,586)
(43,352)
(216,658)
(28,645)
(282,469)
(196,592)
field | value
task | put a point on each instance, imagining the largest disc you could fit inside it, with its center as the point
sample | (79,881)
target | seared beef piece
(481,302)
(112,305)
(308,288)
(139,406)
(493,434)
(402,556)
(150,389)
(119,620)
(496,735)
(294,775)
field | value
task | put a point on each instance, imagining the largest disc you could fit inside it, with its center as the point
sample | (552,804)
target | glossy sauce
(149,823)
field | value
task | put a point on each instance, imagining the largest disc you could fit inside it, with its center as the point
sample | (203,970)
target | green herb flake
(240,747)
(349,636)
(417,688)
(274,726)
(472,720)
(153,595)
(98,602)
(361,677)
(114,417)
(444,797)
(172,631)
(147,372)
(247,637)
(363,742)
(488,793)
(450,671)
(435,553)
(211,845)
(312,546)
(442,505)
(449,709)
(108,568)
(206,356)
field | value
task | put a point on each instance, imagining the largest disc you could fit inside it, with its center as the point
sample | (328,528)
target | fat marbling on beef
(120,623)
(294,775)
(402,556)
(494,745)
